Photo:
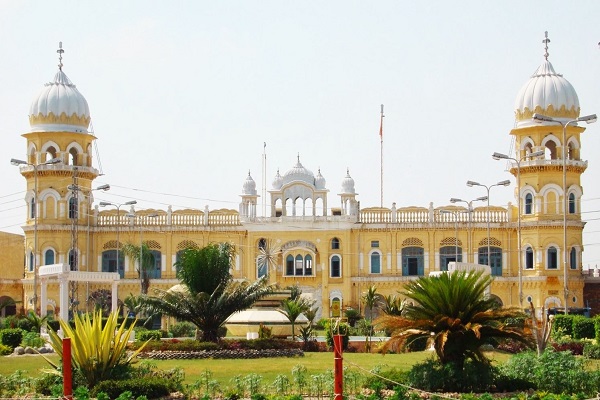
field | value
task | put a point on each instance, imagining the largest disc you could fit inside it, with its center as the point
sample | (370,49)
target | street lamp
(500,156)
(469,210)
(34,210)
(589,119)
(502,183)
(141,261)
(118,207)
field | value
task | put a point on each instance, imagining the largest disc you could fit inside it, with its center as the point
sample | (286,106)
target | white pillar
(44,297)
(114,296)
(64,297)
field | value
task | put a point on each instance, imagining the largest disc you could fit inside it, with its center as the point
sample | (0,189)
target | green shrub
(183,329)
(591,351)
(5,350)
(431,375)
(32,339)
(568,372)
(387,379)
(321,324)
(11,337)
(145,335)
(152,387)
(26,324)
(562,325)
(583,327)
(46,383)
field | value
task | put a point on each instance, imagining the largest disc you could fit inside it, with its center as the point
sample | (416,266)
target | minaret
(59,173)
(548,95)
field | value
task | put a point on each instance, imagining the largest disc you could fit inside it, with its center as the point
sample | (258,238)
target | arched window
(335,267)
(73,260)
(335,244)
(49,257)
(31,261)
(289,265)
(496,259)
(308,265)
(73,208)
(73,156)
(109,262)
(32,208)
(572,203)
(449,254)
(154,271)
(375,264)
(528,204)
(528,258)
(573,258)
(299,261)
(413,261)
(552,258)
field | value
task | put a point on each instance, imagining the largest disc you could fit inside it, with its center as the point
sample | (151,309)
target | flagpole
(264,180)
(381,155)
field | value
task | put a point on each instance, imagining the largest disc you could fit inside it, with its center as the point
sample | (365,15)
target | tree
(208,294)
(453,311)
(144,267)
(392,305)
(370,300)
(293,308)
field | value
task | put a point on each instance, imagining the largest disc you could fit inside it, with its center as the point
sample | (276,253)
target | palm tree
(370,300)
(292,308)
(453,311)
(392,305)
(208,294)
(143,252)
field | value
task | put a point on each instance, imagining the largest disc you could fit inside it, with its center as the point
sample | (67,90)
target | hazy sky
(184,94)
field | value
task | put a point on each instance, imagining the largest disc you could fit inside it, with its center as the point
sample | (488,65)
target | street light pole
(118,207)
(469,210)
(500,156)
(502,183)
(589,119)
(34,209)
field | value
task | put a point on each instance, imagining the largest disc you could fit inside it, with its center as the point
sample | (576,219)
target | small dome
(299,173)
(277,181)
(348,184)
(547,93)
(249,186)
(59,107)
(320,180)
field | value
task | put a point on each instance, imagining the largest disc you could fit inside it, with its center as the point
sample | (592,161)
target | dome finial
(60,52)
(298,157)
(546,41)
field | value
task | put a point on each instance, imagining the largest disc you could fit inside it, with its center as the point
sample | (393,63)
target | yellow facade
(334,254)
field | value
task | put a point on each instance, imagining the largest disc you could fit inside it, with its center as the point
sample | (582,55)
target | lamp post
(589,119)
(141,261)
(34,210)
(118,207)
(469,210)
(500,156)
(502,183)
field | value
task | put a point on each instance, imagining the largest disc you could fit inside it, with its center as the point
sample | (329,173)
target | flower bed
(220,354)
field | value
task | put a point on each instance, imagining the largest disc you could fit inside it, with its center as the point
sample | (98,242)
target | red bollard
(338,387)
(67,372)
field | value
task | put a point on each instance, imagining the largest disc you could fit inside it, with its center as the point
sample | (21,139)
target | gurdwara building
(321,239)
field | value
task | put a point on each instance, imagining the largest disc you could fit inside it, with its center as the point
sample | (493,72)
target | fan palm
(293,308)
(453,311)
(144,253)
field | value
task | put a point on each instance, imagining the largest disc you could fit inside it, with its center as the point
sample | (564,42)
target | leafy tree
(208,294)
(452,310)
(135,253)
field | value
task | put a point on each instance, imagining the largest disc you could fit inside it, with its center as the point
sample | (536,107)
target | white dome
(320,180)
(277,181)
(348,184)
(249,185)
(299,173)
(547,93)
(59,107)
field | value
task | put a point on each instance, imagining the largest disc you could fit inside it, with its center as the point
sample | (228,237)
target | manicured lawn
(268,368)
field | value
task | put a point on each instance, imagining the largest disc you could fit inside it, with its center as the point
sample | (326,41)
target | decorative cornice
(562,112)
(63,119)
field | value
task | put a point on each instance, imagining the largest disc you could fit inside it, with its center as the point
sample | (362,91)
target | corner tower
(548,157)
(59,173)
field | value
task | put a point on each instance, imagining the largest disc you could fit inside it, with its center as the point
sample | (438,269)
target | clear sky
(184,94)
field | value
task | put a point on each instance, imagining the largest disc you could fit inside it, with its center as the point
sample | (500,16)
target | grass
(268,368)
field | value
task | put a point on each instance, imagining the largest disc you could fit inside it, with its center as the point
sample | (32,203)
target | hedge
(583,327)
(152,388)
(564,323)
(11,337)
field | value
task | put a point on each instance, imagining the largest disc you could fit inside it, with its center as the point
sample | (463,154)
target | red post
(67,372)
(338,387)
